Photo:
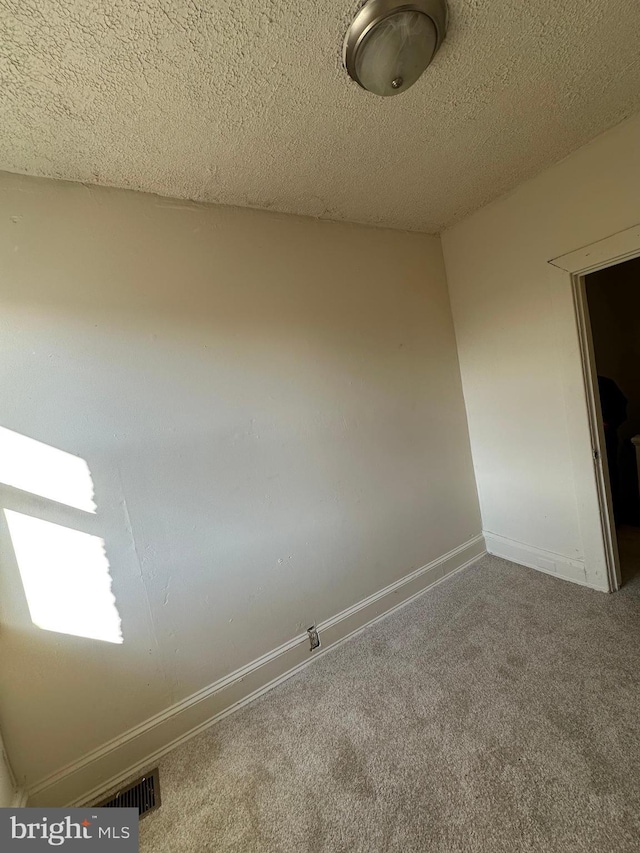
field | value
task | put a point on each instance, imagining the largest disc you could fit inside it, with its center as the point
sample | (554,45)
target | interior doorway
(612,297)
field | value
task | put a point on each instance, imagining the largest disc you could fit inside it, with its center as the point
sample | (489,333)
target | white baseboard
(537,558)
(137,750)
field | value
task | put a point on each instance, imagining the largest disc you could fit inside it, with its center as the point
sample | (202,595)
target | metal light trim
(373,12)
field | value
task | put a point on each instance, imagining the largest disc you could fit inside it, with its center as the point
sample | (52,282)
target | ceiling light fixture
(390,43)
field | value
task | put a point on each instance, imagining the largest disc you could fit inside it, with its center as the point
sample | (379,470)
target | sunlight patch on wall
(35,467)
(65,574)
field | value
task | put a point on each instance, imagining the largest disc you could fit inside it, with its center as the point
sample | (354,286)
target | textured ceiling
(246,102)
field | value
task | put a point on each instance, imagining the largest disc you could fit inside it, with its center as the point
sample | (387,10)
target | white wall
(518,346)
(271,411)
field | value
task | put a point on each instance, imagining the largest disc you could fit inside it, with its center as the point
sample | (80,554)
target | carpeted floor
(499,712)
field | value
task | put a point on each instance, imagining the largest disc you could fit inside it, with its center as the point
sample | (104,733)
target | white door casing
(582,402)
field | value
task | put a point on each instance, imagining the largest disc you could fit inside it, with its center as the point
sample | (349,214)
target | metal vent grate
(143,794)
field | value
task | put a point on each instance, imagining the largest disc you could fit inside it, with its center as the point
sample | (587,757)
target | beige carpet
(499,712)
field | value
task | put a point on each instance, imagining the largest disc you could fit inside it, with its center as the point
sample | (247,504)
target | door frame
(613,250)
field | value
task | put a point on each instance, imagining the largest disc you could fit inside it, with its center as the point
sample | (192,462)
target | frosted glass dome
(395,52)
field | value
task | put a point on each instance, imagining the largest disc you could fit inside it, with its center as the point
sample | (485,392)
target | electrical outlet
(314,637)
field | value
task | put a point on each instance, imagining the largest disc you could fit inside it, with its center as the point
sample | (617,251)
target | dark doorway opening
(613,299)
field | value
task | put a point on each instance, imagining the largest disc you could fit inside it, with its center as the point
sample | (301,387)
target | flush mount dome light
(390,43)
